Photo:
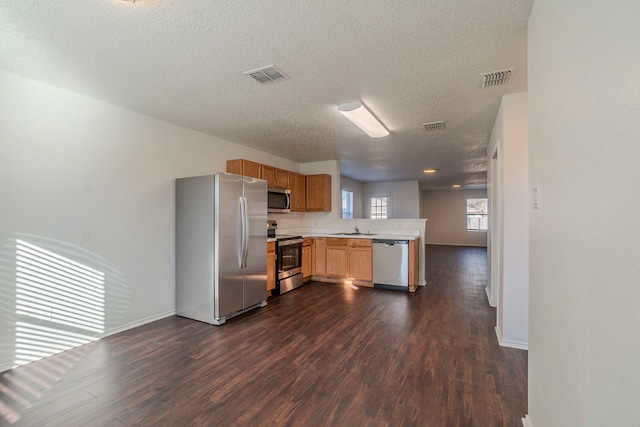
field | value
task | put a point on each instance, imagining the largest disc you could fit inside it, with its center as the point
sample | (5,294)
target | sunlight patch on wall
(60,303)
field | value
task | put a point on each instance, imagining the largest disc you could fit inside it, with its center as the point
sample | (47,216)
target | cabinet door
(282,178)
(336,258)
(318,193)
(318,267)
(269,175)
(414,262)
(245,167)
(297,187)
(360,265)
(271,266)
(307,258)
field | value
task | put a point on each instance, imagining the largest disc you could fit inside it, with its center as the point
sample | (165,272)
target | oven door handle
(290,242)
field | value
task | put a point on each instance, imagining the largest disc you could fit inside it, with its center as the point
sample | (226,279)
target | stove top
(287,237)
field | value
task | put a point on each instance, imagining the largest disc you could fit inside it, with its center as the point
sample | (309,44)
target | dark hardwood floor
(322,355)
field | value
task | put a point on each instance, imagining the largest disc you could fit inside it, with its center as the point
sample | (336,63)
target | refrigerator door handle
(245,233)
(242,231)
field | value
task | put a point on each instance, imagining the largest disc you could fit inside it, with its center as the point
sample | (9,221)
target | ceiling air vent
(434,126)
(497,78)
(267,74)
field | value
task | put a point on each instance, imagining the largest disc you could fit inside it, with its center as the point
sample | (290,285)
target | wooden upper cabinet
(282,178)
(269,175)
(297,187)
(318,195)
(245,167)
(276,178)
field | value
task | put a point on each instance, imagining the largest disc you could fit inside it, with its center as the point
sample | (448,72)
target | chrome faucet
(357,229)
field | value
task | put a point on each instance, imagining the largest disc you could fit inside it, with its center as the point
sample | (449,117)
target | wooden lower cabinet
(318,267)
(271,267)
(336,258)
(307,258)
(360,256)
(414,264)
(349,259)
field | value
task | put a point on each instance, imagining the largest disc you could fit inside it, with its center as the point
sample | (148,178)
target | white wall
(509,201)
(584,141)
(357,188)
(447,214)
(405,197)
(95,183)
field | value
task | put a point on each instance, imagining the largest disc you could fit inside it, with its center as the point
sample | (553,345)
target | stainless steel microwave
(279,200)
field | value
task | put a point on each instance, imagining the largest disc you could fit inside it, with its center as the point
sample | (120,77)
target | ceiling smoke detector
(497,77)
(267,74)
(433,126)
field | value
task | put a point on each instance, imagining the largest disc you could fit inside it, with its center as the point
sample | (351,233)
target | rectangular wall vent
(434,126)
(497,78)
(267,74)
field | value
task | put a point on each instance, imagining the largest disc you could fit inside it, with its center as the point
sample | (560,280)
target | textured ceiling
(411,62)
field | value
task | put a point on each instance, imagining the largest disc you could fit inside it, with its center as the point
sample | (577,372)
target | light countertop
(334,233)
(388,236)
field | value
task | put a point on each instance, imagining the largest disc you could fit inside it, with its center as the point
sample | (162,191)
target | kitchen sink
(353,234)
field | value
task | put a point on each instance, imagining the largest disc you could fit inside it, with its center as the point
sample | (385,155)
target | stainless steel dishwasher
(391,264)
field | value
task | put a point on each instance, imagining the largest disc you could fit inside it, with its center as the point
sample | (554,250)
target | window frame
(370,211)
(349,208)
(483,216)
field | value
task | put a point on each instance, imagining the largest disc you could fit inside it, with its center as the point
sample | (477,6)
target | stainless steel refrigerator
(221,246)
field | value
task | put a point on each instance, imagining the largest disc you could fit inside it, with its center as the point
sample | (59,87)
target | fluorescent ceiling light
(456,185)
(430,170)
(364,119)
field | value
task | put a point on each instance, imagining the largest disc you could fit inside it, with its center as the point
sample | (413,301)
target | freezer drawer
(391,263)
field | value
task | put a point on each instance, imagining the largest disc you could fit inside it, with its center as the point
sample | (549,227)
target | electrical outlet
(537,201)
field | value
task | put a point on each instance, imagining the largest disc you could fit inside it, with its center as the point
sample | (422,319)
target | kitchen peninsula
(337,256)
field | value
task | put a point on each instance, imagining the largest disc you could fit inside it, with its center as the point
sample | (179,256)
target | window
(347,204)
(379,207)
(477,214)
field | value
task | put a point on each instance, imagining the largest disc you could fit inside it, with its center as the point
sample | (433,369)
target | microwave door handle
(288,197)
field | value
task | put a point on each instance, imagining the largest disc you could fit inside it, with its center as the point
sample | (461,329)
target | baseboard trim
(526,421)
(6,367)
(138,323)
(456,244)
(488,292)
(511,344)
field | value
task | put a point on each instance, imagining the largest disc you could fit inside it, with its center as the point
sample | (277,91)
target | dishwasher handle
(391,242)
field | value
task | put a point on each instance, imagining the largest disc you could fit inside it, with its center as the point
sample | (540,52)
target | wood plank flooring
(322,355)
